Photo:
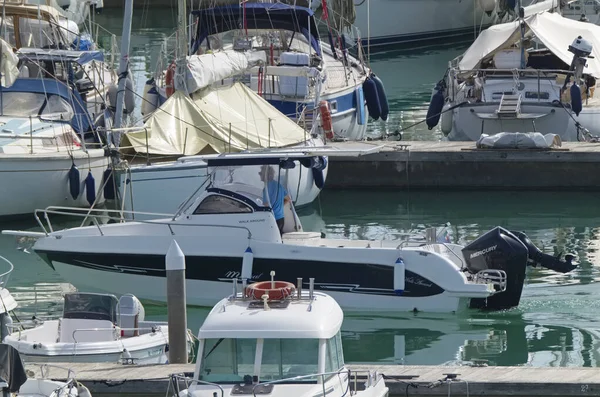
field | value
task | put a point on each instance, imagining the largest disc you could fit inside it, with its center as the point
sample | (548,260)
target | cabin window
(25,104)
(334,360)
(534,95)
(34,33)
(217,204)
(8,30)
(230,360)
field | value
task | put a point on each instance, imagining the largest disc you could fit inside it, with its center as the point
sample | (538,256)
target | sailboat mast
(123,63)
(182,46)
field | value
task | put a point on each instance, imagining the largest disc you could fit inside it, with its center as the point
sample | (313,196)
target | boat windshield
(90,306)
(25,104)
(253,181)
(233,360)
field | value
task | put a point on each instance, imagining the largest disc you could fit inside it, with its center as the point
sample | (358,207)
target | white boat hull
(207,293)
(163,187)
(37,181)
(402,21)
(468,126)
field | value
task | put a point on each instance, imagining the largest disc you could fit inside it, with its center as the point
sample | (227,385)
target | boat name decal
(417,281)
(233,274)
(251,220)
(483,251)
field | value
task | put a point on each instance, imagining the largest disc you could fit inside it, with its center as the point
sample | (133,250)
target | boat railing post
(311,288)
(299,288)
(177,318)
(244,283)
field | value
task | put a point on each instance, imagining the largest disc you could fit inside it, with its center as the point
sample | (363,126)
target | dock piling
(176,305)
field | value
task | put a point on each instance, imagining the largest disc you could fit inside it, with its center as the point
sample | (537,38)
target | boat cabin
(245,341)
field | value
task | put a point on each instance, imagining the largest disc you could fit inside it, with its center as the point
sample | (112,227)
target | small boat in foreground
(95,328)
(278,340)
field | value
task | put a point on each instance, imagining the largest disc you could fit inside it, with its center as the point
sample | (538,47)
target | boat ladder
(510,106)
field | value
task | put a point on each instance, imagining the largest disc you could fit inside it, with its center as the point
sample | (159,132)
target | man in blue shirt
(278,195)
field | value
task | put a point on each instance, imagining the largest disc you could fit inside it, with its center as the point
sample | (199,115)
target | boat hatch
(90,306)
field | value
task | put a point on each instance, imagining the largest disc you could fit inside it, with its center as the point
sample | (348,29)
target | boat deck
(402,380)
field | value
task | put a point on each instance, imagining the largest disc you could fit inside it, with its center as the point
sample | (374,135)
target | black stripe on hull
(329,276)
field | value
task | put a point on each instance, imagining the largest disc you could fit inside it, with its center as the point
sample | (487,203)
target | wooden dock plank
(421,380)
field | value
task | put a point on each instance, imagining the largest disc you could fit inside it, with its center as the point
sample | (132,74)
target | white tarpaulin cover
(554,31)
(9,69)
(519,140)
(226,119)
(206,69)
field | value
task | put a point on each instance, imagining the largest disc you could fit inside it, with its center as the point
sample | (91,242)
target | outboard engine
(498,249)
(511,252)
(581,48)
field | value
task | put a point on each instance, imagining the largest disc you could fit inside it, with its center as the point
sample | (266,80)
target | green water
(557,321)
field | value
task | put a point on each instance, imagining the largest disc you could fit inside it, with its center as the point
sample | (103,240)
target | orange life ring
(169,80)
(326,119)
(278,291)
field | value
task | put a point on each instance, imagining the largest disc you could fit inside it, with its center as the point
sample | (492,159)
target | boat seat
(106,331)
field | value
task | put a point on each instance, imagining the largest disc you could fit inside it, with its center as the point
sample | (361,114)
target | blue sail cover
(81,121)
(258,16)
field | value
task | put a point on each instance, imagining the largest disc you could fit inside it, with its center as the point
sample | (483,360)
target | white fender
(487,5)
(247,260)
(399,276)
(446,120)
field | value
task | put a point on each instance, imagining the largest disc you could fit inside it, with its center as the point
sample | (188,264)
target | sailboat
(296,71)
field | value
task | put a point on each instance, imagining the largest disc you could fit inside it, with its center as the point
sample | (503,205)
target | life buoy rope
(276,290)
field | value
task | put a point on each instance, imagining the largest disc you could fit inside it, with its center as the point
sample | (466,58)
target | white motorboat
(532,81)
(229,231)
(288,342)
(95,328)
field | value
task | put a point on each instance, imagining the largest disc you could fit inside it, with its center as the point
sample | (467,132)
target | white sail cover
(221,120)
(553,30)
(9,69)
(206,69)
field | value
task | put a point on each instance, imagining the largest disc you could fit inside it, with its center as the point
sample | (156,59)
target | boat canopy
(552,30)
(52,55)
(81,121)
(271,16)
(215,120)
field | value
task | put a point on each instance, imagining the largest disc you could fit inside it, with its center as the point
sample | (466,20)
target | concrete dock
(403,380)
(461,166)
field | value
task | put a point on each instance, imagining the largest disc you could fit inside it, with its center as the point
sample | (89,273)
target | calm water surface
(557,322)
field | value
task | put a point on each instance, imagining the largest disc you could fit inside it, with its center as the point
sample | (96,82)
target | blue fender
(435,109)
(372,98)
(90,188)
(576,101)
(108,181)
(74,181)
(317,170)
(383,102)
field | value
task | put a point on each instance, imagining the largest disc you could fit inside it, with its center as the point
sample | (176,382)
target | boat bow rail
(352,378)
